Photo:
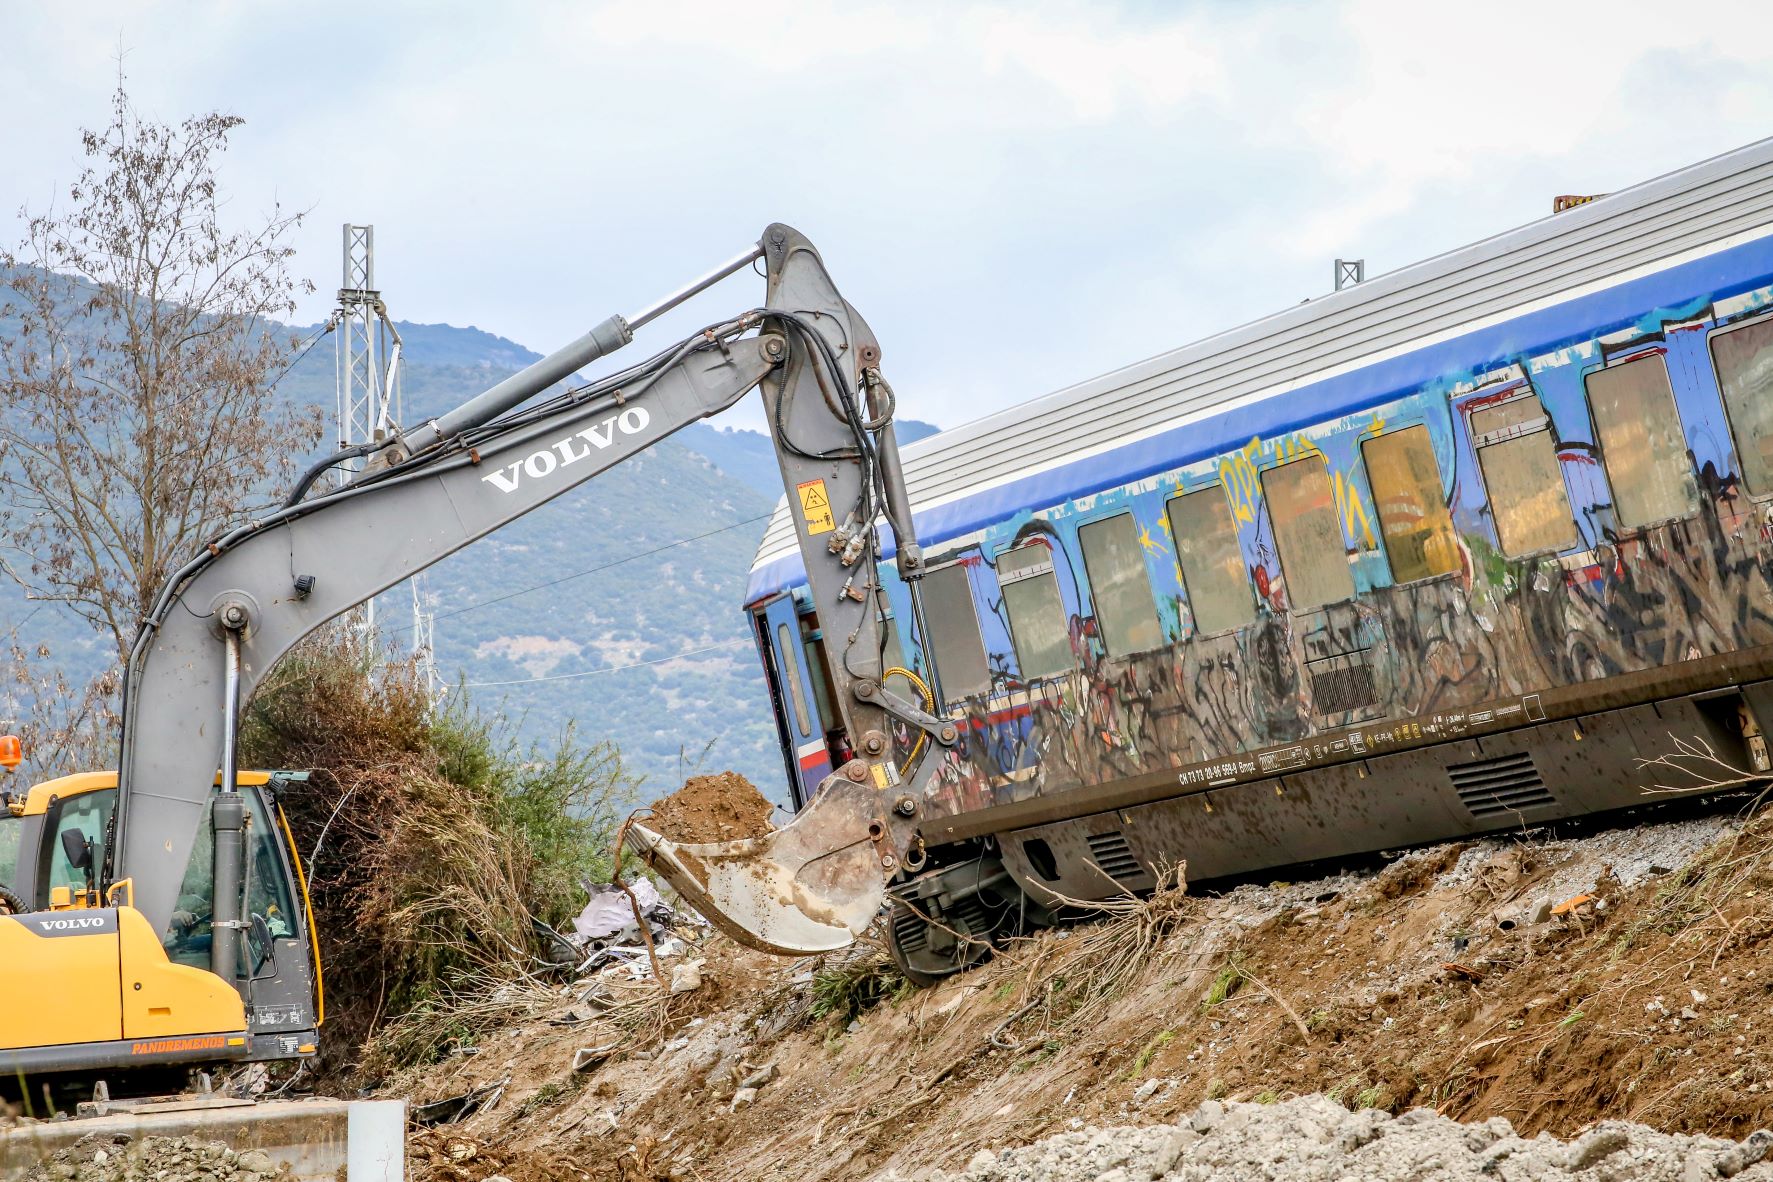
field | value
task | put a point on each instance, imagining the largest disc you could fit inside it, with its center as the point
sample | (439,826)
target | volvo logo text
(70,925)
(572,449)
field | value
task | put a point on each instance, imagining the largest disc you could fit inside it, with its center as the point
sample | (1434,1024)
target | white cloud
(1017,195)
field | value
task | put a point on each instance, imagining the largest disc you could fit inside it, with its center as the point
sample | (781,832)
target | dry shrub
(615,1012)
(431,841)
(1068,975)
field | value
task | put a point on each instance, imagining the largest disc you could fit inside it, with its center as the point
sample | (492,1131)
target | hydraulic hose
(929,704)
(11,901)
(315,472)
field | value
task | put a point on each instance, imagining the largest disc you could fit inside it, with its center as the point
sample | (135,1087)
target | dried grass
(622,1013)
(1070,975)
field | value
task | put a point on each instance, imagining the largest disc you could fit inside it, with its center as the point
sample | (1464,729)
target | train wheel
(929,948)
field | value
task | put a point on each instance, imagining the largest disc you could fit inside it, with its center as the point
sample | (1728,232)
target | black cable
(13,902)
(319,468)
(311,342)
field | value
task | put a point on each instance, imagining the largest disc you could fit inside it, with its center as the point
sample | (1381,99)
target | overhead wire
(308,345)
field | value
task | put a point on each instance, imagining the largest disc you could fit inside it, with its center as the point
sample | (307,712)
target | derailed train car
(1449,552)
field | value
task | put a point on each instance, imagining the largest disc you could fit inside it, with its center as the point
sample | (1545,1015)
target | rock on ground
(1315,1139)
(117,1157)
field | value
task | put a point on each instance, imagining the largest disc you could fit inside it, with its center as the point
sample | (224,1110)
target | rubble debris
(1466,972)
(760,1078)
(1566,1034)
(586,1058)
(721,807)
(117,1157)
(608,917)
(1572,903)
(451,1109)
(1313,1137)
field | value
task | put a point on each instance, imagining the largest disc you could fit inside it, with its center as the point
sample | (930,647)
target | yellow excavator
(156,915)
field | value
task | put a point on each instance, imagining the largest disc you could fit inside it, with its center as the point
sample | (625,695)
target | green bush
(431,838)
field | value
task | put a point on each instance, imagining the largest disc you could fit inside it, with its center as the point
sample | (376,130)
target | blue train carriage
(1450,552)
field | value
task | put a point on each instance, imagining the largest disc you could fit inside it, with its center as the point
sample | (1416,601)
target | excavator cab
(106,986)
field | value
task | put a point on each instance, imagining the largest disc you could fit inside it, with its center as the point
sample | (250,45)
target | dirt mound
(1313,1138)
(117,1157)
(722,807)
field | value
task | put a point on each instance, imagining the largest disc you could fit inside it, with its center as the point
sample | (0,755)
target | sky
(1016,196)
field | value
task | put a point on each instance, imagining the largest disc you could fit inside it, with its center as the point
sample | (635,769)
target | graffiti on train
(1498,560)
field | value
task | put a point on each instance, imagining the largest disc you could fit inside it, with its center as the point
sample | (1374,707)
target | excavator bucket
(810,887)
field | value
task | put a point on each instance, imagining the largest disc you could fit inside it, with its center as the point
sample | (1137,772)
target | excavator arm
(225,619)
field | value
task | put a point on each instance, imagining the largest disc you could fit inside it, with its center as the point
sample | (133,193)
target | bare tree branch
(1694,763)
(139,371)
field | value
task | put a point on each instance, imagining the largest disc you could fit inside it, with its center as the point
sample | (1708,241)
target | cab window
(90,813)
(267,885)
(11,828)
(785,646)
(266,888)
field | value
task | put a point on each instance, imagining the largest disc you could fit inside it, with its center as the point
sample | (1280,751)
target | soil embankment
(1554,984)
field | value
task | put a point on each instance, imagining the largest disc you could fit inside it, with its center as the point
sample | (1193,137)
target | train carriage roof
(1091,431)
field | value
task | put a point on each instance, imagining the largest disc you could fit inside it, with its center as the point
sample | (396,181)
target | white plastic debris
(609,914)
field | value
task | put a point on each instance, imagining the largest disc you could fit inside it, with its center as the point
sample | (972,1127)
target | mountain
(616,607)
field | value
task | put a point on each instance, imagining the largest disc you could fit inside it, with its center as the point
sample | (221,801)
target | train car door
(798,723)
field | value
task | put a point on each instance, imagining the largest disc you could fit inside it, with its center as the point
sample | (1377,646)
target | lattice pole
(359,390)
(369,404)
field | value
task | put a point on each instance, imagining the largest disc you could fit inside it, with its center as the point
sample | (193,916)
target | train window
(1115,563)
(1526,485)
(1212,566)
(1743,358)
(1642,446)
(1406,480)
(1037,615)
(1308,533)
(819,668)
(955,641)
(791,675)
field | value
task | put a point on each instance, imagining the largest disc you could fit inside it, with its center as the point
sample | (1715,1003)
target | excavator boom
(225,619)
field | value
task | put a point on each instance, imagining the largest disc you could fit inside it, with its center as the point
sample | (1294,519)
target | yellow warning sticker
(815,507)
